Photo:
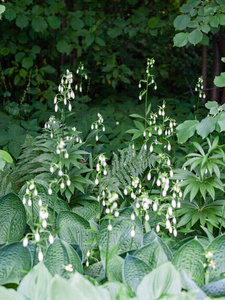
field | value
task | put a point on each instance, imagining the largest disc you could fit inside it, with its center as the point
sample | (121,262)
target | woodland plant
(102,217)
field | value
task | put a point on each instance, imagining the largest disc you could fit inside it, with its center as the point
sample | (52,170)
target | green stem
(106,260)
(222,220)
(146,101)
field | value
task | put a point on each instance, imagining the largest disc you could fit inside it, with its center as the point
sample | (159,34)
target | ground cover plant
(114,207)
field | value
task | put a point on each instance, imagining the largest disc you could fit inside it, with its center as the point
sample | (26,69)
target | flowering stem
(107,250)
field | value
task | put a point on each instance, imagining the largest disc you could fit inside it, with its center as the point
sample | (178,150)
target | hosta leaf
(58,255)
(217,247)
(134,270)
(163,280)
(35,284)
(119,239)
(88,210)
(190,258)
(12,219)
(10,294)
(77,287)
(150,236)
(74,229)
(190,285)
(15,261)
(114,268)
(152,254)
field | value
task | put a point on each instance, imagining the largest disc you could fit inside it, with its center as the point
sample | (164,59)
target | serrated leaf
(60,254)
(15,261)
(134,271)
(12,219)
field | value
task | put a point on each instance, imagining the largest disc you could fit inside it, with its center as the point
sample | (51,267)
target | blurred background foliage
(113,39)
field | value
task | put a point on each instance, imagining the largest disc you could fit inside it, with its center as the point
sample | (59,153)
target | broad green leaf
(186,130)
(77,287)
(22,21)
(217,247)
(119,239)
(221,121)
(15,261)
(88,210)
(10,14)
(222,19)
(153,22)
(10,294)
(77,23)
(35,284)
(180,23)
(195,37)
(89,291)
(190,285)
(206,126)
(58,255)
(114,268)
(139,125)
(215,288)
(180,39)
(212,106)
(39,24)
(119,291)
(62,46)
(134,270)
(190,258)
(220,80)
(152,254)
(163,280)
(74,229)
(54,22)
(150,236)
(27,63)
(2,9)
(6,156)
(12,219)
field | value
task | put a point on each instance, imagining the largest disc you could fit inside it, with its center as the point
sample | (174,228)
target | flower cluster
(36,236)
(98,125)
(199,88)
(210,263)
(66,93)
(83,74)
(100,168)
(150,78)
